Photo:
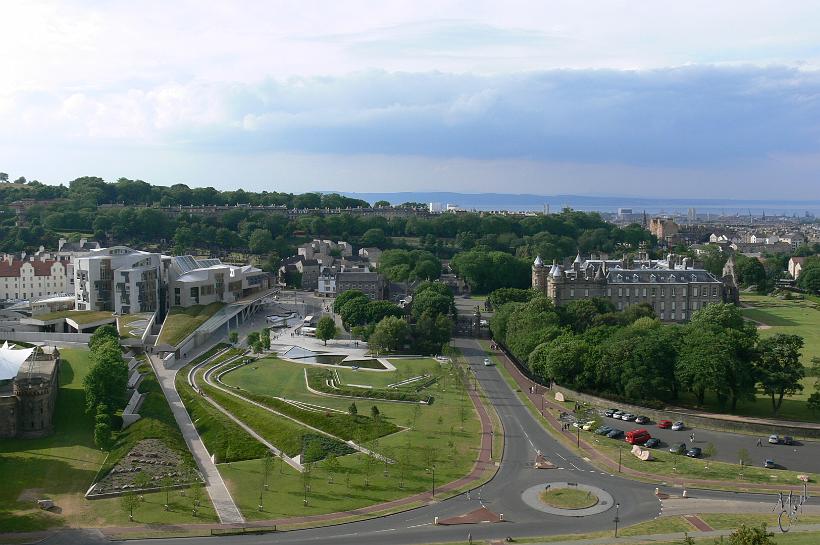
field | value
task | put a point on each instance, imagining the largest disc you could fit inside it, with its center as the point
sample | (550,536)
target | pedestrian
(759,442)
(470,538)
(692,438)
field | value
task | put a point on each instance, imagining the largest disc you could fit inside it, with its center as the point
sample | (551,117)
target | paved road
(502,495)
(804,456)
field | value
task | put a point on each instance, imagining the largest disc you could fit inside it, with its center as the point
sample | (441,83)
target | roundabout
(568,499)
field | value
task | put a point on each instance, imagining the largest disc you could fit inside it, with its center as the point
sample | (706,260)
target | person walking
(759,442)
(692,437)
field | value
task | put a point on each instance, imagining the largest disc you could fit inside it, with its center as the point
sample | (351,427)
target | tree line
(631,356)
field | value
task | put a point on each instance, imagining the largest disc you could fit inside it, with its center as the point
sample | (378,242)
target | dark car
(678,448)
(615,433)
(694,452)
(788,440)
(652,443)
(664,424)
(642,419)
(603,430)
(769,464)
(610,412)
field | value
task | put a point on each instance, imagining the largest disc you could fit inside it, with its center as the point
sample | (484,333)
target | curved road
(523,435)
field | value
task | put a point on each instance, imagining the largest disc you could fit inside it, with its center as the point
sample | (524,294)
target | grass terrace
(430,436)
(124,322)
(181,322)
(79,316)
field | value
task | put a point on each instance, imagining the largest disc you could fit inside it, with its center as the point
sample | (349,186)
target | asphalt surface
(802,456)
(523,436)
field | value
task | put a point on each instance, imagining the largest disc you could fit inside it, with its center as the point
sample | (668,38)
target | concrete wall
(37,337)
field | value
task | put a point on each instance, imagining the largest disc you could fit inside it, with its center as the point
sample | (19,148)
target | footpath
(479,471)
(538,394)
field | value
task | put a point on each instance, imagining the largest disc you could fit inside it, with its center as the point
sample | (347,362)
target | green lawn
(438,426)
(790,317)
(79,316)
(568,498)
(124,322)
(221,436)
(62,467)
(181,322)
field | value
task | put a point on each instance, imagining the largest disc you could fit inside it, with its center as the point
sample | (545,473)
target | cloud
(685,116)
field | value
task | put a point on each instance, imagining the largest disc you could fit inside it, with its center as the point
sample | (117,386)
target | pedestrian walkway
(537,394)
(223,503)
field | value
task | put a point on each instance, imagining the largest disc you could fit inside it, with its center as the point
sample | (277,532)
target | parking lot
(800,456)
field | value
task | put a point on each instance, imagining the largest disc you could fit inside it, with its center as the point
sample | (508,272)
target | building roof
(41,268)
(659,276)
(11,360)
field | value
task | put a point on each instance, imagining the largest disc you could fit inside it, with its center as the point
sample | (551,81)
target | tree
(352,409)
(102,436)
(167,484)
(107,377)
(374,412)
(344,297)
(103,333)
(745,535)
(373,237)
(326,329)
(752,273)
(128,503)
(261,241)
(264,338)
(141,481)
(778,367)
(233,337)
(381,204)
(331,466)
(809,279)
(4,178)
(389,336)
(195,491)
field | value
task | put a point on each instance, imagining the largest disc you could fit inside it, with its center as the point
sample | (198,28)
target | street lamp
(617,517)
(619,459)
(433,470)
(578,433)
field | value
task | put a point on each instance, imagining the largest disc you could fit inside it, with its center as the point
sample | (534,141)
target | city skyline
(675,101)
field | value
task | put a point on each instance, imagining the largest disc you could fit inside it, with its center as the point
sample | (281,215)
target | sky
(680,99)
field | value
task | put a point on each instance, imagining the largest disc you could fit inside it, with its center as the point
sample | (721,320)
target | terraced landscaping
(413,436)
(181,322)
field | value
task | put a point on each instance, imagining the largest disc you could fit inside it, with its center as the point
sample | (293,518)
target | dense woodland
(588,346)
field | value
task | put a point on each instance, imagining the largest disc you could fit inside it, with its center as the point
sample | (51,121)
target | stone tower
(731,292)
(539,275)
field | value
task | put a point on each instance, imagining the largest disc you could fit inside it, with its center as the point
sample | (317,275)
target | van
(637,437)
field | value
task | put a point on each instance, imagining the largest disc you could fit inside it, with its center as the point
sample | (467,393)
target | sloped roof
(41,268)
(11,360)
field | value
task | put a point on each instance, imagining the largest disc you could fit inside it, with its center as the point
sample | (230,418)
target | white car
(677,426)
(774,440)
(589,425)
(487,362)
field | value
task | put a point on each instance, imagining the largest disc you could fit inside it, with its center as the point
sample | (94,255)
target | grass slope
(437,439)
(181,322)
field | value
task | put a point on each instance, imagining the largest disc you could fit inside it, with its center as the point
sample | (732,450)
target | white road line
(575,466)
(559,455)
(418,525)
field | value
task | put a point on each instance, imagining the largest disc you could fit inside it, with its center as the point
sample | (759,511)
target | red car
(664,424)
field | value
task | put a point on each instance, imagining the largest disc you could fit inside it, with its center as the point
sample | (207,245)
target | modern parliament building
(671,286)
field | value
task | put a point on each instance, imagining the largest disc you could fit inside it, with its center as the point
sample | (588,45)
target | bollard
(435,521)
(501,516)
(657,490)
(684,493)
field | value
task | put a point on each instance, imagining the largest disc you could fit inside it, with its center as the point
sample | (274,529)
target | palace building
(671,286)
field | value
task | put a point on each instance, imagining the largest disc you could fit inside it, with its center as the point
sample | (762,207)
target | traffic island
(568,499)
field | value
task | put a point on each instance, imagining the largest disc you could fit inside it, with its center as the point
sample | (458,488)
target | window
(620,305)
(644,292)
(620,292)
(695,291)
(674,306)
(609,292)
(572,292)
(663,292)
(714,291)
(673,292)
(663,306)
(653,292)
(586,292)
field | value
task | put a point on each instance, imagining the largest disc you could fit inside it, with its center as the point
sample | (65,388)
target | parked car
(774,439)
(487,362)
(603,430)
(788,440)
(615,433)
(642,419)
(629,417)
(610,412)
(769,464)
(678,448)
(589,425)
(637,437)
(665,424)
(694,452)
(617,414)
(677,426)
(652,443)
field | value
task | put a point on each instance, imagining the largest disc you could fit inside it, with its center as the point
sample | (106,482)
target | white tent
(11,360)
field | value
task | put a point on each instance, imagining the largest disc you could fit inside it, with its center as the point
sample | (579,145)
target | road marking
(419,525)
(575,466)
(559,454)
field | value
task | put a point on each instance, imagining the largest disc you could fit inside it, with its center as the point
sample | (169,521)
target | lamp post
(492,434)
(617,517)
(433,470)
(578,434)
(619,458)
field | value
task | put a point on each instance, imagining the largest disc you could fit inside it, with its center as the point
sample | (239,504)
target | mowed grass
(79,316)
(437,440)
(181,322)
(567,498)
(62,467)
(221,435)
